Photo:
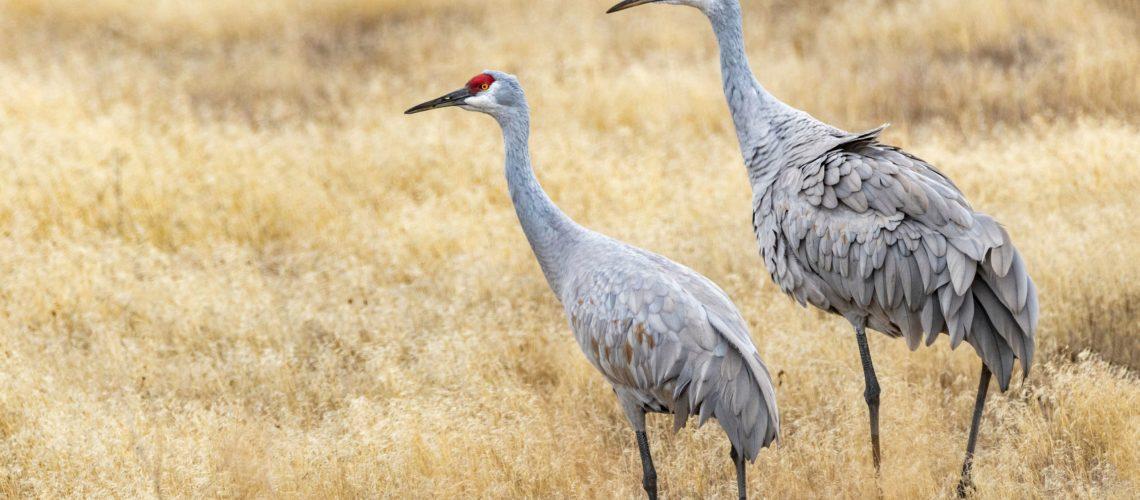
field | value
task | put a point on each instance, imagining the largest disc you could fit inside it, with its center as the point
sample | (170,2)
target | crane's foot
(965,487)
(650,485)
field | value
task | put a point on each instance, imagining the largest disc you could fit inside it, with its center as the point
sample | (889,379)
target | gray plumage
(666,338)
(880,237)
(669,340)
(872,233)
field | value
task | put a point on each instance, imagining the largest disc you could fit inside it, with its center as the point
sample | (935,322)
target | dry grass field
(230,267)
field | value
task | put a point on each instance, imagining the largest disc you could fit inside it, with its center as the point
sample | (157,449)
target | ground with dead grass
(230,267)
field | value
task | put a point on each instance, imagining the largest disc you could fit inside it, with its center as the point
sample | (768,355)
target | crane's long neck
(549,231)
(755,112)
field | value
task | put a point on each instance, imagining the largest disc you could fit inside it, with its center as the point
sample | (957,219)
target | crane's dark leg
(648,473)
(871,393)
(738,460)
(983,384)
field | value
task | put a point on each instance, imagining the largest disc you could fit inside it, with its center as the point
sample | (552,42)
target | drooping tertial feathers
(877,235)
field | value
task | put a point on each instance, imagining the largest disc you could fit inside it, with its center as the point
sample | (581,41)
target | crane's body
(670,341)
(878,236)
(870,232)
(665,337)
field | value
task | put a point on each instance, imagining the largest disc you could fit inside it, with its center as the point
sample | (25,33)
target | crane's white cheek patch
(481,101)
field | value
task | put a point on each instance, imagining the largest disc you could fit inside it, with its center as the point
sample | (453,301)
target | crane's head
(704,5)
(490,92)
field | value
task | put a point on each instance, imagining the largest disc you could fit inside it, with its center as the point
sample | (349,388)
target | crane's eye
(480,83)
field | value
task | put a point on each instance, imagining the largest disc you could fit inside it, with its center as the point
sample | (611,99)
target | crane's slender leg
(871,393)
(983,384)
(636,415)
(648,473)
(738,460)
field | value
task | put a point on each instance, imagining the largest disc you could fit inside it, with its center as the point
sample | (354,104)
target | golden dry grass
(230,267)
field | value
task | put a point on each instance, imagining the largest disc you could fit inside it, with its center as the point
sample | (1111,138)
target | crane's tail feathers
(996,313)
(725,388)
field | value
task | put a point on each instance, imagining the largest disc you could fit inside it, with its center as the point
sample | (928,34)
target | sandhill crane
(667,339)
(872,233)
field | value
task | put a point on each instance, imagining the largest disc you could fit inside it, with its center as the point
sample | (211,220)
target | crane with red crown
(665,337)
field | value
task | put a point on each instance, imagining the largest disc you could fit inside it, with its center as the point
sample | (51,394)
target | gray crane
(872,233)
(667,339)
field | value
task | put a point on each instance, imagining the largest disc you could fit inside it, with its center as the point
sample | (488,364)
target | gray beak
(453,99)
(627,4)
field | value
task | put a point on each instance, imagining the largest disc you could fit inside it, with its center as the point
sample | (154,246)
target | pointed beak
(627,4)
(453,99)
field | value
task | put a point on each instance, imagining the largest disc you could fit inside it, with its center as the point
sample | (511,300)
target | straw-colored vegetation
(230,267)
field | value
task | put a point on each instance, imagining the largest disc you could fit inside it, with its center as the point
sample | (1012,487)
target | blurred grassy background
(230,267)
